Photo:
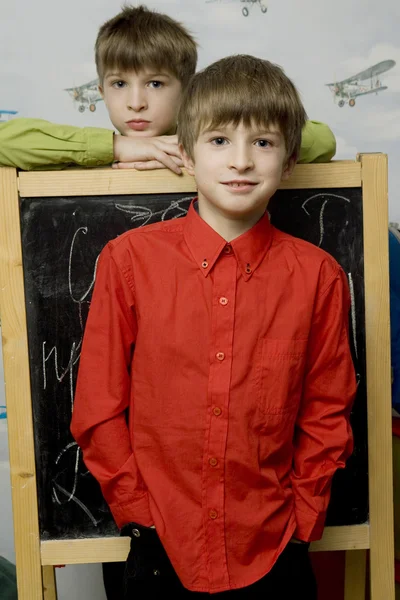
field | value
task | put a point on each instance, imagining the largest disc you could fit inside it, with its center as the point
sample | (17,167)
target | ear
(101,90)
(187,161)
(288,169)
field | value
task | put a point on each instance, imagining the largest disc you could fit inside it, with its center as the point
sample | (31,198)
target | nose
(241,158)
(137,100)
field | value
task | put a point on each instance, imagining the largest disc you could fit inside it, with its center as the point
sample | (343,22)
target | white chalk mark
(63,451)
(175,205)
(321,223)
(322,210)
(145,214)
(59,375)
(76,470)
(83,230)
(56,497)
(71,377)
(79,503)
(44,361)
(353,313)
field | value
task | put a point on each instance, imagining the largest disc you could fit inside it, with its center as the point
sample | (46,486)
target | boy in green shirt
(152,72)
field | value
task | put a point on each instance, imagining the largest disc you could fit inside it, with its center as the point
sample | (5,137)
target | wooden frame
(35,559)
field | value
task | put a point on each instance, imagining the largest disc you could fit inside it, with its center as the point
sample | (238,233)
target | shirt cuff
(137,510)
(100,147)
(309,527)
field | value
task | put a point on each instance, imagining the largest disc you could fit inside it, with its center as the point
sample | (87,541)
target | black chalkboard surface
(61,240)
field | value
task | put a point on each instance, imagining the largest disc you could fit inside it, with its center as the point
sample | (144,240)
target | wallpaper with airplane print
(343,56)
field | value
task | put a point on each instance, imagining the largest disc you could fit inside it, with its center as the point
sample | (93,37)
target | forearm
(315,464)
(103,395)
(37,144)
(108,456)
(323,439)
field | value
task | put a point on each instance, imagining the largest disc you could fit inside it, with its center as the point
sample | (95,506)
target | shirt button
(213,462)
(227,249)
(213,514)
(204,264)
(217,411)
(248,269)
(156,572)
(223,301)
(220,355)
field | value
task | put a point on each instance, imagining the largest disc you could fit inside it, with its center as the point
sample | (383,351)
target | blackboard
(61,240)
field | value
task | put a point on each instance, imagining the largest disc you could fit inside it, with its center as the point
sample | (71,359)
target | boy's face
(142,104)
(237,170)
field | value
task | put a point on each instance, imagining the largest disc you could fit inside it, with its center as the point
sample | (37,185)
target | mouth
(138,124)
(240,185)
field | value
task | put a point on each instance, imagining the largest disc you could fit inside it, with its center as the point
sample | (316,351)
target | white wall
(47,46)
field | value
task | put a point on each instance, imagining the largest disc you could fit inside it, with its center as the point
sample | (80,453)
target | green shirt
(36,144)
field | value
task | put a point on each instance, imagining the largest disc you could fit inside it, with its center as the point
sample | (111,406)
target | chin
(136,134)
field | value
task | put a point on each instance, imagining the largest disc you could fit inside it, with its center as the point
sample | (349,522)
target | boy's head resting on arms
(239,129)
(144,61)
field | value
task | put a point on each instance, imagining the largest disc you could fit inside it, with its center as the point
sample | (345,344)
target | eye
(156,84)
(118,84)
(263,143)
(219,141)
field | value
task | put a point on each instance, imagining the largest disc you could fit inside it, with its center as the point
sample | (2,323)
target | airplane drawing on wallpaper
(366,82)
(8,114)
(249,4)
(86,95)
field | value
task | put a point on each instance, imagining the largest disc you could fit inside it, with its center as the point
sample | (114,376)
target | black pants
(148,573)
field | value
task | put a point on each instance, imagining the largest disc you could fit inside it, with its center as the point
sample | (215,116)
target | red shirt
(239,391)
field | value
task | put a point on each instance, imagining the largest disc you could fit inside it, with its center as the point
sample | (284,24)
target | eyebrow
(268,132)
(150,75)
(258,132)
(158,74)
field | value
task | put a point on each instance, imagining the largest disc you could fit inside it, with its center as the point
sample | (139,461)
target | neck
(228,227)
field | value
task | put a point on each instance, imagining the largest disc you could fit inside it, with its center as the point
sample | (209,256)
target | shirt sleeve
(323,438)
(103,395)
(318,144)
(37,144)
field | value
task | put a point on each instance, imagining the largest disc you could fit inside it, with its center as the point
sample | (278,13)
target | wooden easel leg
(355,575)
(49,583)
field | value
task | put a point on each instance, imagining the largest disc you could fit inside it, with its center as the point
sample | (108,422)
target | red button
(213,462)
(204,264)
(217,411)
(227,249)
(213,514)
(223,301)
(220,355)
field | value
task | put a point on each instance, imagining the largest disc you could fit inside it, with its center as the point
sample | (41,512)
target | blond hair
(139,38)
(241,89)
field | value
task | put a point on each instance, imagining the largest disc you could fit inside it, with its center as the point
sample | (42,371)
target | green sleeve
(318,144)
(36,144)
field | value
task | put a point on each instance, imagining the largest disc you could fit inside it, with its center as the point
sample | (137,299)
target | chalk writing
(353,313)
(145,213)
(322,210)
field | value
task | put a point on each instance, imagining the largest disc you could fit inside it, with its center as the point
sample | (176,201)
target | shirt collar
(206,245)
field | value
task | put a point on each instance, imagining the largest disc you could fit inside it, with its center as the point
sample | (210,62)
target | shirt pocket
(280,375)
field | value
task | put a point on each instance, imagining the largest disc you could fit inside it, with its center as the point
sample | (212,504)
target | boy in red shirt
(227,340)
